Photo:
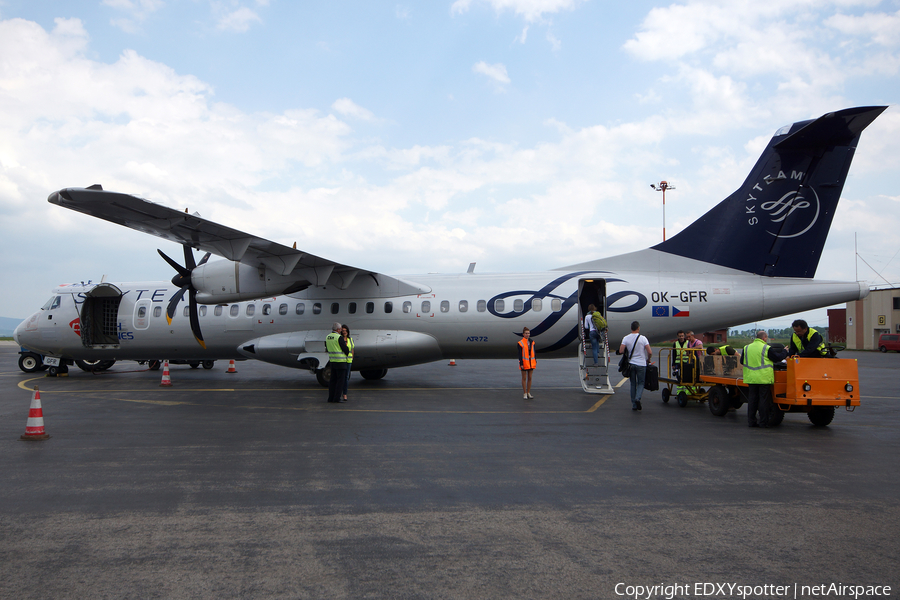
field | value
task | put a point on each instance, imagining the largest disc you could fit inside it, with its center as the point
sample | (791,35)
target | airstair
(594,379)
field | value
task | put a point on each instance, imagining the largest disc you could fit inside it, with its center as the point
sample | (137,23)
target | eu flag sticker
(660,311)
(681,312)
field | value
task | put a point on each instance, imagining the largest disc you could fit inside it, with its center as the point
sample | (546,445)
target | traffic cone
(166,380)
(34,427)
(231,368)
(452,362)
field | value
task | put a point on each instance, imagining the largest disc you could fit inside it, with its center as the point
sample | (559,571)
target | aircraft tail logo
(776,223)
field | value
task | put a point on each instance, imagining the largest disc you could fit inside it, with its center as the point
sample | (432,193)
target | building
(877,313)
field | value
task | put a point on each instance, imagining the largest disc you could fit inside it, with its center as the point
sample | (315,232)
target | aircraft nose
(25,332)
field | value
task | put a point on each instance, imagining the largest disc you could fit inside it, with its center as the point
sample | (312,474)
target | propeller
(183,281)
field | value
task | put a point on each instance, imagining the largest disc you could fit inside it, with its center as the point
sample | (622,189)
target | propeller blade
(173,304)
(204,259)
(189,258)
(181,270)
(195,318)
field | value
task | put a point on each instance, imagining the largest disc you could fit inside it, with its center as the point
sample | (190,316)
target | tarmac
(435,482)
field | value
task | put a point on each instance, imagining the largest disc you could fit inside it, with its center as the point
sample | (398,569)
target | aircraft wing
(204,235)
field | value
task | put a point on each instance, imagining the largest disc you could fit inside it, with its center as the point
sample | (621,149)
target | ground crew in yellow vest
(724,350)
(759,360)
(682,361)
(337,361)
(806,342)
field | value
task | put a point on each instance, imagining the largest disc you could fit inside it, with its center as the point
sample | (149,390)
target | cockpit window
(52,303)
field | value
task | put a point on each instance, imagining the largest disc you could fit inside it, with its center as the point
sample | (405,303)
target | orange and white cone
(34,427)
(166,380)
(231,368)
(452,362)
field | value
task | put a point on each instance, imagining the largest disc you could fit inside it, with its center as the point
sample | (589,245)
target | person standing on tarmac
(337,358)
(759,360)
(640,354)
(345,335)
(682,366)
(527,362)
(806,342)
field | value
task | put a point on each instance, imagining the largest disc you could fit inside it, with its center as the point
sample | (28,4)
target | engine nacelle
(227,281)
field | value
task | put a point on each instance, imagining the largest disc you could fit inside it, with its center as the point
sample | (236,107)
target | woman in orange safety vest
(527,362)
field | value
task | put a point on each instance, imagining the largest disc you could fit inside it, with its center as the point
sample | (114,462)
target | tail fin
(783,211)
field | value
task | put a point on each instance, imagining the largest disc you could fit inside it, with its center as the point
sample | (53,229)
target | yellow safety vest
(758,369)
(680,355)
(333,346)
(801,343)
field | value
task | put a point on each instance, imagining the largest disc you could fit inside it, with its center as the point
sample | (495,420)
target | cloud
(530,10)
(496,72)
(238,20)
(135,11)
(348,108)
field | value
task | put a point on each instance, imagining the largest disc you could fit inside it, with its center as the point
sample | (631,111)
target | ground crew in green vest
(759,360)
(723,350)
(337,361)
(345,335)
(807,342)
(682,361)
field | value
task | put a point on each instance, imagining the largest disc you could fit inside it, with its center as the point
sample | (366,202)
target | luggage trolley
(682,379)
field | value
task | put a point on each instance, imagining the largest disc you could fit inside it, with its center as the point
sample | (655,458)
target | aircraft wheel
(776,417)
(154,365)
(323,376)
(883,348)
(373,374)
(821,416)
(30,363)
(719,403)
(94,365)
(682,399)
(208,364)
(194,364)
(666,394)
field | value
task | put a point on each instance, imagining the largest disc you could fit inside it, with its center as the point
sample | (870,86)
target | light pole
(662,186)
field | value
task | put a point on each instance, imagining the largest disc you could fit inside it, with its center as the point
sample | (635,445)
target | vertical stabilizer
(776,223)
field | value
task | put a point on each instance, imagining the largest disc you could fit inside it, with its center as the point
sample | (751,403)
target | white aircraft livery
(751,257)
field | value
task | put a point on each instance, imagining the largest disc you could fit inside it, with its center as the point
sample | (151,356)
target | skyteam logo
(804,202)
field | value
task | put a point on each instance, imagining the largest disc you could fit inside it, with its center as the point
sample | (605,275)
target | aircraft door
(591,291)
(100,317)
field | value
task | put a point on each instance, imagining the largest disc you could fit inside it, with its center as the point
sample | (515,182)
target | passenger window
(407,307)
(335,307)
(317,308)
(234,310)
(518,305)
(142,312)
(300,309)
(251,310)
(388,308)
(351,308)
(556,305)
(218,311)
(426,306)
(463,305)
(370,307)
(481,306)
(202,311)
(537,304)
(267,309)
(157,311)
(499,305)
(187,311)
(445,306)
(282,310)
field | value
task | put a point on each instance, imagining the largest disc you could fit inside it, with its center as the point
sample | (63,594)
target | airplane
(751,257)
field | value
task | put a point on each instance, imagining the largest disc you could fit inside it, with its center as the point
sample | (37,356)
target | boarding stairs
(594,380)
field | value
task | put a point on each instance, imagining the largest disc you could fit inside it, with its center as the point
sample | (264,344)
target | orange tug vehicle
(814,386)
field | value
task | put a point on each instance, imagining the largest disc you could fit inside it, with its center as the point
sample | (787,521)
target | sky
(417,137)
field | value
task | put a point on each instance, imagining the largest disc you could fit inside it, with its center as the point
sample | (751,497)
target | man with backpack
(594,325)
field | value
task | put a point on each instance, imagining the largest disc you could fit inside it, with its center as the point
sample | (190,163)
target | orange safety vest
(526,354)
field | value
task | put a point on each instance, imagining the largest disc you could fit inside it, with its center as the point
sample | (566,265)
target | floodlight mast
(662,186)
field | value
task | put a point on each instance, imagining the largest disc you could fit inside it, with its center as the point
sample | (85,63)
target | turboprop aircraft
(749,258)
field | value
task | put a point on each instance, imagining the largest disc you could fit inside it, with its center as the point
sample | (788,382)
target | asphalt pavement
(435,482)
